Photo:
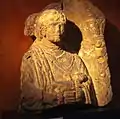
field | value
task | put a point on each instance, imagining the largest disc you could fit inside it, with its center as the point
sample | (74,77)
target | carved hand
(66,92)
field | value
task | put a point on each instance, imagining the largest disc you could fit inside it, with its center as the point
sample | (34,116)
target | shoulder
(27,57)
(26,61)
(33,52)
(31,60)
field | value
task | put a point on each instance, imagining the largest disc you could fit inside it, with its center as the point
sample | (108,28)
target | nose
(58,28)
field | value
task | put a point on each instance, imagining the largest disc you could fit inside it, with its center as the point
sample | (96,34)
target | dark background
(13,44)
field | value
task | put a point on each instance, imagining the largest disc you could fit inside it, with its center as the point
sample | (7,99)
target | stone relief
(55,72)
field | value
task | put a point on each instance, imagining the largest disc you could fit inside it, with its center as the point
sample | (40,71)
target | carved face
(52,24)
(54,32)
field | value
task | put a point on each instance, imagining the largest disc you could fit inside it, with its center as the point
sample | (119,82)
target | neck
(46,43)
(50,47)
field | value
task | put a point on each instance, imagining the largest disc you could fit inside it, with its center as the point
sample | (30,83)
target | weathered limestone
(93,52)
(50,74)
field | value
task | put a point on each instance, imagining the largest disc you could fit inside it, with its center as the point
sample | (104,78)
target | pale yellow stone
(91,22)
(47,70)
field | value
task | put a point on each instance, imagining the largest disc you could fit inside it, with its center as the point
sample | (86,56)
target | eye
(54,24)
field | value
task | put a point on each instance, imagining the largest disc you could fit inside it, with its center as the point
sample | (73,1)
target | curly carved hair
(46,18)
(30,21)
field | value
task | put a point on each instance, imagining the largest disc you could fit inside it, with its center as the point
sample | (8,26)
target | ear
(40,31)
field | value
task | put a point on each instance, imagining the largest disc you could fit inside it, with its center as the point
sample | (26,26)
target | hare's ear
(30,25)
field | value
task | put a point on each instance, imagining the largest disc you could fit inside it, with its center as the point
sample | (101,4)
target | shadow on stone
(112,39)
(72,38)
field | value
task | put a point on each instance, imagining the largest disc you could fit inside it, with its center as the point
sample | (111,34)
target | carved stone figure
(50,74)
(93,52)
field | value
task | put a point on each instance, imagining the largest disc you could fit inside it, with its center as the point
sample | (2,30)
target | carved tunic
(42,72)
(39,70)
